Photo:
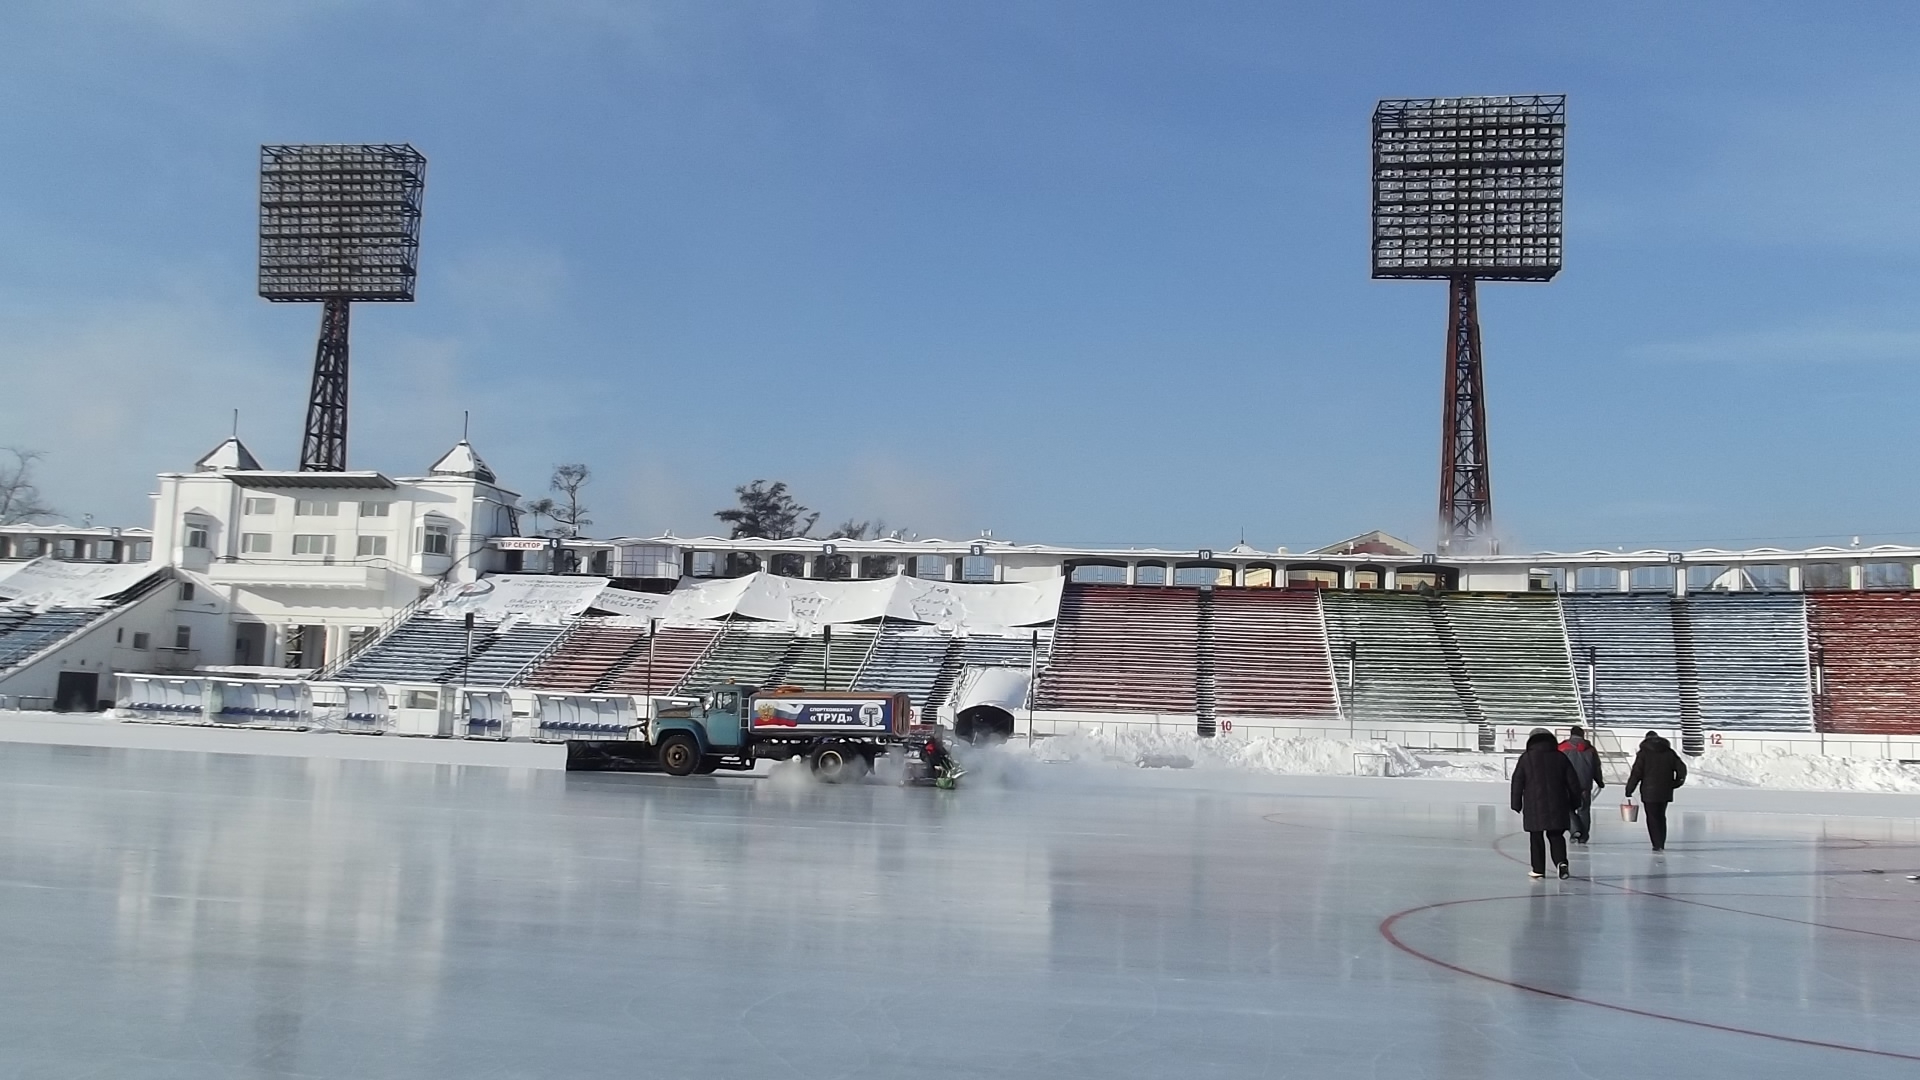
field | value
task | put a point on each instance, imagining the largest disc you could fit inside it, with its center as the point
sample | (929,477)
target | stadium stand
(745,652)
(607,657)
(1121,648)
(675,652)
(40,630)
(1624,643)
(806,662)
(594,653)
(1404,669)
(1868,647)
(1514,647)
(907,659)
(1749,653)
(432,649)
(1269,651)
(507,654)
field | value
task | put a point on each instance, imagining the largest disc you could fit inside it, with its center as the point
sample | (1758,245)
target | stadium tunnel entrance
(984,724)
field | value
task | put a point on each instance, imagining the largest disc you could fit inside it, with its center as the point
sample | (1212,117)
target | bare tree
(19,498)
(570,515)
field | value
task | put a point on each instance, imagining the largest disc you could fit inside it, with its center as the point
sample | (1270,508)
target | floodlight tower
(338,223)
(1467,189)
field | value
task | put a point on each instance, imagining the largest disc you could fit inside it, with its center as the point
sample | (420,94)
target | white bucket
(1629,811)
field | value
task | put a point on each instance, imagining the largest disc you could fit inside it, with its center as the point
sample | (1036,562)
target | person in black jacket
(1545,789)
(1657,770)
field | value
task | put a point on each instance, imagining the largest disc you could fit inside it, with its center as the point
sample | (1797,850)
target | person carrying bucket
(1657,770)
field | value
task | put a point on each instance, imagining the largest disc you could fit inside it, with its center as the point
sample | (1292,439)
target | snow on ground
(1314,756)
(1781,770)
(1298,756)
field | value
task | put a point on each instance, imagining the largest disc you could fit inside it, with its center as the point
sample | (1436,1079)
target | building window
(438,540)
(313,544)
(256,543)
(375,509)
(183,637)
(186,592)
(67,549)
(197,536)
(142,641)
(423,699)
(259,506)
(316,508)
(142,551)
(373,545)
(119,634)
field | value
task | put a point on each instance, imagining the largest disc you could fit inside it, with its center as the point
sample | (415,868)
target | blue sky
(1079,273)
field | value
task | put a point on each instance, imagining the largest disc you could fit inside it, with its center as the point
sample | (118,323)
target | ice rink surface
(170,914)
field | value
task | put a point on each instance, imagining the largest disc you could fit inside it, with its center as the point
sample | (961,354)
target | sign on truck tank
(793,713)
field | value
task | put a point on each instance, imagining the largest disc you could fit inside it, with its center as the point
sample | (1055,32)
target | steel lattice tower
(323,448)
(1469,190)
(338,223)
(1466,488)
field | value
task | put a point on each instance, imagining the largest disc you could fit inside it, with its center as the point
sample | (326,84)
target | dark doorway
(78,691)
(250,644)
(984,724)
(306,646)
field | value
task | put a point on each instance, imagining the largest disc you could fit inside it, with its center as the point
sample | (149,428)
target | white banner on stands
(48,582)
(534,598)
(636,605)
(952,606)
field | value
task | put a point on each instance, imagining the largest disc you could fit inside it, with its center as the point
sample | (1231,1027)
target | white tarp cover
(46,582)
(535,598)
(637,605)
(955,607)
(1001,687)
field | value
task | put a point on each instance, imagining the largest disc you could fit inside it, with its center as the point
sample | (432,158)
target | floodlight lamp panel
(340,221)
(1469,187)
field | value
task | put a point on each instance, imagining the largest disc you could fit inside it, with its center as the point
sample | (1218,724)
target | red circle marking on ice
(1387,931)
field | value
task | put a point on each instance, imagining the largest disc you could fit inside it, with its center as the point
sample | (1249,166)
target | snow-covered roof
(229,456)
(462,461)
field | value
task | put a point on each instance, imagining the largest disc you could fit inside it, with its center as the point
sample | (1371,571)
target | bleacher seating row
(1848,661)
(23,633)
(432,649)
(1867,646)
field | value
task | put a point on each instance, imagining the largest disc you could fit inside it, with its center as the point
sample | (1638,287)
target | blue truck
(839,734)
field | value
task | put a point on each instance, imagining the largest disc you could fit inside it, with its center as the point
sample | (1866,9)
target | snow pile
(1777,768)
(1273,754)
(1279,755)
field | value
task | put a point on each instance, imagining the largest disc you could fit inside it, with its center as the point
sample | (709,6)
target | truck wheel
(679,754)
(833,763)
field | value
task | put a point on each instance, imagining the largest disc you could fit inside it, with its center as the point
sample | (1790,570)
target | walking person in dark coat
(1657,770)
(1545,789)
(1586,767)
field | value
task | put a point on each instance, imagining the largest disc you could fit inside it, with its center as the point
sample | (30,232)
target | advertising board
(875,715)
